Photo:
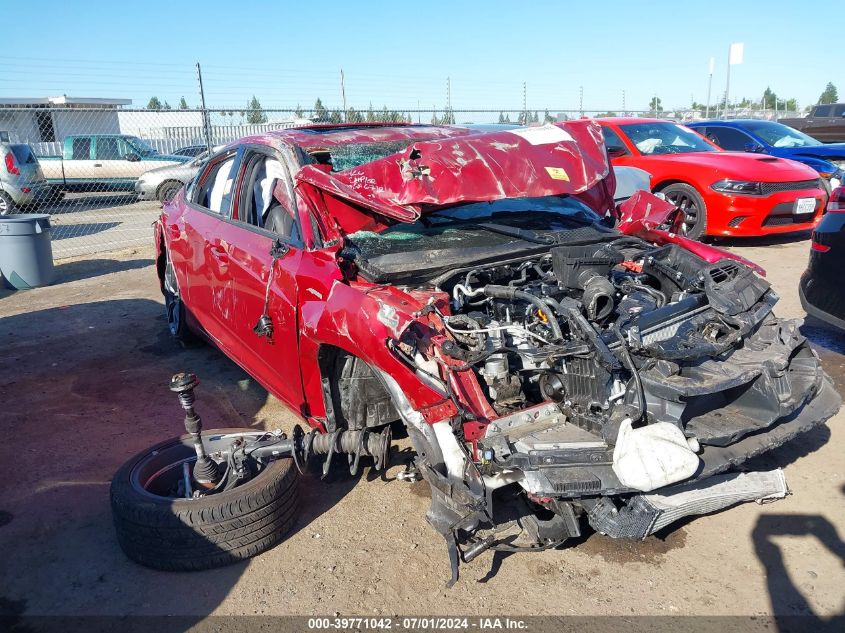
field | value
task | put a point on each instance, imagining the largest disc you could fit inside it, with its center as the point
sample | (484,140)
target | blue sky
(400,54)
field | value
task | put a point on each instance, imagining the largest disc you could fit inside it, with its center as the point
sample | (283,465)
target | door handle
(98,164)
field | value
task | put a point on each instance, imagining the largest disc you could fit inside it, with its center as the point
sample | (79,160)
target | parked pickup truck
(825,122)
(102,161)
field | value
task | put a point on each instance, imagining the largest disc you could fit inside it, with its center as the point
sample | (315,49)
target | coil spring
(353,443)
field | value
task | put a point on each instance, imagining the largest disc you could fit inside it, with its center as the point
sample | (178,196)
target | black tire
(174,308)
(167,190)
(174,534)
(7,205)
(693,222)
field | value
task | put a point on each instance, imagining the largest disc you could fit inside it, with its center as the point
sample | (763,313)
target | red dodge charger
(720,193)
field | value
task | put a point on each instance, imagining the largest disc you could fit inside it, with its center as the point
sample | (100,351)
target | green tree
(609,113)
(770,99)
(166,106)
(298,112)
(183,105)
(353,116)
(501,117)
(254,113)
(654,105)
(335,117)
(320,112)
(548,118)
(830,95)
(791,105)
(154,104)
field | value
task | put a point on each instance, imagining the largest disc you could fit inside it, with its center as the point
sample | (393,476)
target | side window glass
(265,201)
(107,148)
(81,149)
(214,189)
(729,138)
(839,110)
(612,140)
(823,110)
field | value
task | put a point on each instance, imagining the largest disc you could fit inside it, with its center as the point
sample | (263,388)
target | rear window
(23,154)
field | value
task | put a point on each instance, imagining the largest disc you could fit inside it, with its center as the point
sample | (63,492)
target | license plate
(804,206)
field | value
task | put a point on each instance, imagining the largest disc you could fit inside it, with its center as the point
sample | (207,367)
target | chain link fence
(103,171)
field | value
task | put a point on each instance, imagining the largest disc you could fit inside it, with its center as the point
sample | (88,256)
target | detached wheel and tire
(157,528)
(693,220)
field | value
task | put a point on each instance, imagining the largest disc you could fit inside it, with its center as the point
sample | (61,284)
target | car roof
(624,120)
(738,123)
(331,135)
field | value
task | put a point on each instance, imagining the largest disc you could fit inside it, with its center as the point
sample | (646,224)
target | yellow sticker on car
(558,173)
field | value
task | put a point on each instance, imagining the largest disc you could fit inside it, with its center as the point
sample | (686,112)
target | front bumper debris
(646,514)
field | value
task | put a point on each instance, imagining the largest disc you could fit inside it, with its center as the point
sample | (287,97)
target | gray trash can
(26,255)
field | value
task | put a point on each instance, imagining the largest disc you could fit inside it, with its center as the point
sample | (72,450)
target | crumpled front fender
(642,214)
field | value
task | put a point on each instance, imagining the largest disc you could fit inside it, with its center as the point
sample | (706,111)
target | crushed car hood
(565,158)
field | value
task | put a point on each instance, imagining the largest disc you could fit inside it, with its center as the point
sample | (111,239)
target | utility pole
(524,103)
(343,94)
(734,57)
(624,109)
(206,126)
(709,86)
(581,100)
(449,100)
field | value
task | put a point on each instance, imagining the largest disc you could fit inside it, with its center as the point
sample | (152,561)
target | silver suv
(22,183)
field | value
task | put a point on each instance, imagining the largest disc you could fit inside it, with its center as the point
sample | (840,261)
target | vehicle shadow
(89,268)
(91,383)
(823,335)
(791,609)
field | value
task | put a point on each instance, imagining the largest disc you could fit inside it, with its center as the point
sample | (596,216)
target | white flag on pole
(735,56)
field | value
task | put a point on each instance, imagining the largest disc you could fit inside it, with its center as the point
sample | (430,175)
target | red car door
(270,354)
(199,250)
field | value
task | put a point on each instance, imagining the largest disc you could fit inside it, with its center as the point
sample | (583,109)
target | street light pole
(709,88)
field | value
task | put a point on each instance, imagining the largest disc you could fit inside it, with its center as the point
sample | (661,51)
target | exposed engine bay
(612,370)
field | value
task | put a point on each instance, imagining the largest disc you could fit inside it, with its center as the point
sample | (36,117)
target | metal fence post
(205,123)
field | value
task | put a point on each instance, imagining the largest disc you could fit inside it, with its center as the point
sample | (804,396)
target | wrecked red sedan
(556,361)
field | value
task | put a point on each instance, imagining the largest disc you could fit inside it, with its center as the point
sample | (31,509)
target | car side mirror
(133,158)
(753,147)
(615,151)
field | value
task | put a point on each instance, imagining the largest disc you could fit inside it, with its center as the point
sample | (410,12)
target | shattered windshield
(350,155)
(665,138)
(479,224)
(780,135)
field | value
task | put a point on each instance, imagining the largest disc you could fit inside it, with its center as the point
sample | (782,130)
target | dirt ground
(84,367)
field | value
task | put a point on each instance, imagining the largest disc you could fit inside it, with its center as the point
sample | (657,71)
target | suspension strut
(354,443)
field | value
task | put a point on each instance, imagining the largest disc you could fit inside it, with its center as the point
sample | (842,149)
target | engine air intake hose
(509,292)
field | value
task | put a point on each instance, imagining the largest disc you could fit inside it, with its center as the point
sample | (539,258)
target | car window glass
(265,198)
(23,154)
(729,138)
(81,149)
(107,148)
(823,110)
(214,188)
(611,138)
(839,110)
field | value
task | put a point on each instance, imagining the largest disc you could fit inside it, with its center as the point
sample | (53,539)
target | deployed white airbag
(653,456)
